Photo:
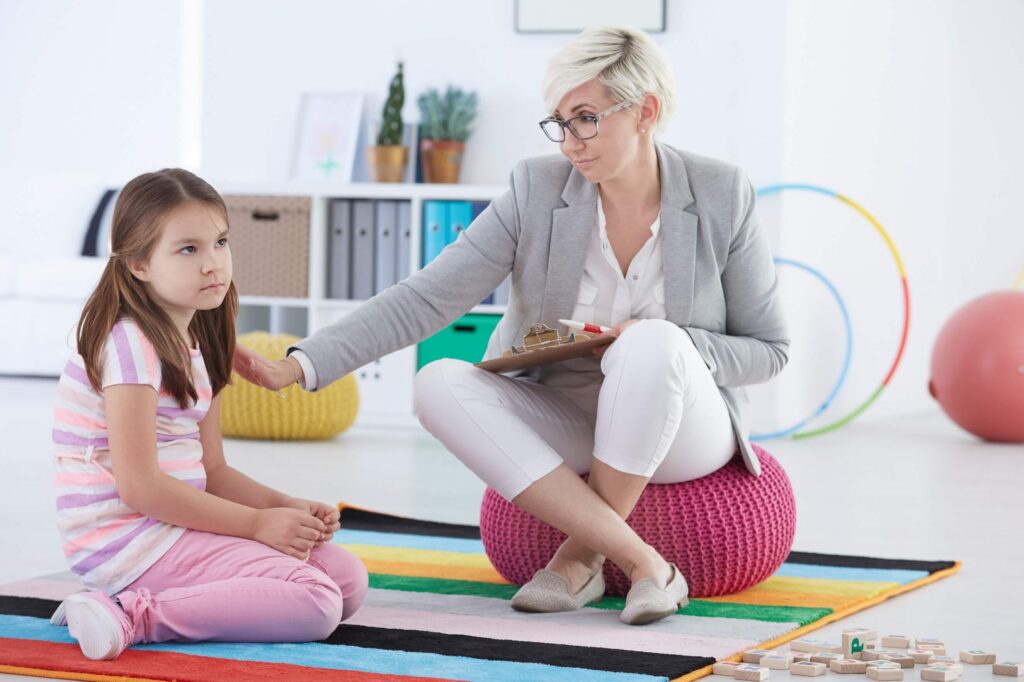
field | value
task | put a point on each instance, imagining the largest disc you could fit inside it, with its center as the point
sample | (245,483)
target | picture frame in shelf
(328,136)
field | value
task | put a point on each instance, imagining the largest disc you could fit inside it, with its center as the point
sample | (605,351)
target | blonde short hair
(624,59)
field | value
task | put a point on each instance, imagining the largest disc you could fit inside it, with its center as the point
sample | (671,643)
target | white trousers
(656,412)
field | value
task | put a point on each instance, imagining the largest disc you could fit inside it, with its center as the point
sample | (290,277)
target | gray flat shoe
(646,602)
(548,592)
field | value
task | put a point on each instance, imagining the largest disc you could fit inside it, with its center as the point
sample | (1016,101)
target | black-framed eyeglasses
(582,127)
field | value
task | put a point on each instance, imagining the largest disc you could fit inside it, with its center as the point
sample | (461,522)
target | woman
(661,245)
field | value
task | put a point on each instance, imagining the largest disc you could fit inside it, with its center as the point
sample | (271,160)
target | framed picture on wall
(572,16)
(327,136)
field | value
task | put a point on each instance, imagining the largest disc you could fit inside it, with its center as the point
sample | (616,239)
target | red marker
(585,327)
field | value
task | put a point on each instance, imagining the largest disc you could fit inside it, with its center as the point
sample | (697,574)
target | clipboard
(545,356)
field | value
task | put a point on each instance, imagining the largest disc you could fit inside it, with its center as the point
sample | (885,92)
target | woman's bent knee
(432,385)
(441,385)
(655,335)
(660,344)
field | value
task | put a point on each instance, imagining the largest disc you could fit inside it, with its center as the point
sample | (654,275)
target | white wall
(260,56)
(90,98)
(867,114)
(986,239)
(910,108)
(97,89)
(913,110)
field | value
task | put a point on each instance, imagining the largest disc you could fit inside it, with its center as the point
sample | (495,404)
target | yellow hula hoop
(857,411)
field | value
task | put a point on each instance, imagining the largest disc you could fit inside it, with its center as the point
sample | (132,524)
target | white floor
(915,488)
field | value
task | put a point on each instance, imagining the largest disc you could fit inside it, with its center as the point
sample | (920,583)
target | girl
(173,543)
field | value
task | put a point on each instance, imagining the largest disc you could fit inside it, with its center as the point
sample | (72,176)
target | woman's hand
(328,515)
(271,374)
(290,531)
(615,332)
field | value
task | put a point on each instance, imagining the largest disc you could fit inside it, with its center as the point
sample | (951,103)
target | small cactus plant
(391,126)
(447,117)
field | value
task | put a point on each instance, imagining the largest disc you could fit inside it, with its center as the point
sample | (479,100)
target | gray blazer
(720,283)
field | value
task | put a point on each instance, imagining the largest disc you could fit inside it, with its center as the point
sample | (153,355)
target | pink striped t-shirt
(108,543)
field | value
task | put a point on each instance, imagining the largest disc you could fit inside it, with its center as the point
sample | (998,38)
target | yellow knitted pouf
(248,411)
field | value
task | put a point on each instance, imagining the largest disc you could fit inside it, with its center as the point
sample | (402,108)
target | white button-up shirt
(606,297)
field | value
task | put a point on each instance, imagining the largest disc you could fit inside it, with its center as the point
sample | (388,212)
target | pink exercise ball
(978,367)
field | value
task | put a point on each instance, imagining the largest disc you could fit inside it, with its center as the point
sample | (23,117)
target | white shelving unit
(385,385)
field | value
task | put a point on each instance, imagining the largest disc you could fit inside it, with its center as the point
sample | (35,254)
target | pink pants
(218,587)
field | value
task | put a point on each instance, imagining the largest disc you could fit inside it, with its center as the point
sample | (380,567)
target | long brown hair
(140,213)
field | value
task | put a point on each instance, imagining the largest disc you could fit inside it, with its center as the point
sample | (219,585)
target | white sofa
(40,302)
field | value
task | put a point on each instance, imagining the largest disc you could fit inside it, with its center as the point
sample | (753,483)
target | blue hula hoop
(846,360)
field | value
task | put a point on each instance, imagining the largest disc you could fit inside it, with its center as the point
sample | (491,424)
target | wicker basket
(270,244)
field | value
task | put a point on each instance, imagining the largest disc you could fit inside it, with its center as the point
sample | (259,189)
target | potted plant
(444,127)
(387,158)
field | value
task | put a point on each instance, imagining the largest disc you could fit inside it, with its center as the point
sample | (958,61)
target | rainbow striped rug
(437,610)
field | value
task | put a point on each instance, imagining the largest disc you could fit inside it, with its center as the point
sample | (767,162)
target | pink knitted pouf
(725,532)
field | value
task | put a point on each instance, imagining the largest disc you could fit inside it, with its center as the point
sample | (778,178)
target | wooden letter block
(825,657)
(977,657)
(801,658)
(902,660)
(939,673)
(885,672)
(777,661)
(813,645)
(937,649)
(1008,668)
(930,641)
(726,668)
(751,673)
(856,641)
(947,660)
(921,655)
(898,641)
(846,666)
(755,655)
(807,669)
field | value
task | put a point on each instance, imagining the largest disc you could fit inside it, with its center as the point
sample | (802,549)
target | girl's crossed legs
(223,588)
